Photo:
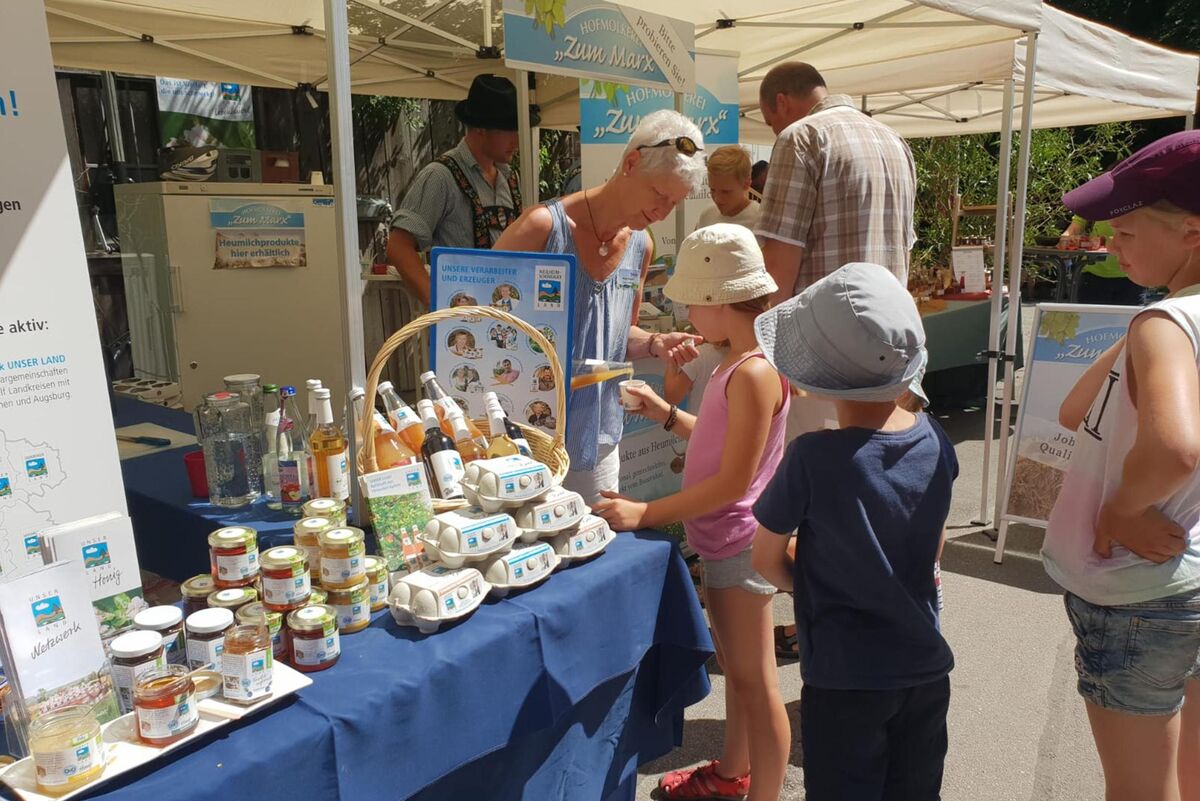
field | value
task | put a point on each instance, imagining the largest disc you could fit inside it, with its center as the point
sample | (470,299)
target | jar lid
(346,535)
(135,643)
(312,618)
(324,505)
(232,536)
(242,378)
(157,618)
(237,596)
(257,613)
(221,398)
(285,556)
(311,525)
(198,586)
(207,621)
(374,564)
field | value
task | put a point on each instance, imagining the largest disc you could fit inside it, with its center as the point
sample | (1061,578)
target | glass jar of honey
(353,605)
(165,705)
(255,614)
(134,654)
(317,596)
(315,643)
(285,580)
(206,636)
(306,535)
(195,592)
(342,552)
(331,509)
(233,556)
(377,578)
(247,665)
(233,599)
(67,749)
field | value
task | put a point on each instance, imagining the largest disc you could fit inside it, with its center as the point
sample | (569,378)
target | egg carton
(583,542)
(468,535)
(437,595)
(523,567)
(558,510)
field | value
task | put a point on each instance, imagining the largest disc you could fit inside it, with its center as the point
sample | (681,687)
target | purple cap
(1168,169)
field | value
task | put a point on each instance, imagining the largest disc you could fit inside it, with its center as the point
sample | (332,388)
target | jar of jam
(377,578)
(306,535)
(67,749)
(342,552)
(206,636)
(234,599)
(315,642)
(134,654)
(195,592)
(331,509)
(257,613)
(168,622)
(233,555)
(285,580)
(247,665)
(353,605)
(165,704)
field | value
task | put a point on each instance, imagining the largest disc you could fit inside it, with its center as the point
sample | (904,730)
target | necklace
(603,250)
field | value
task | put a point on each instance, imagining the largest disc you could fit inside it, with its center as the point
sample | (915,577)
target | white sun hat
(719,264)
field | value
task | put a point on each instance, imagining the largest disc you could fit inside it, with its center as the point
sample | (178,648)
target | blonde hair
(1168,213)
(730,160)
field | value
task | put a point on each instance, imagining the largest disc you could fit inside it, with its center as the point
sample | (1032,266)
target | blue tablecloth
(172,527)
(557,693)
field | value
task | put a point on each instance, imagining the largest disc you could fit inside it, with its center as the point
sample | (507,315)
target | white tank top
(1102,443)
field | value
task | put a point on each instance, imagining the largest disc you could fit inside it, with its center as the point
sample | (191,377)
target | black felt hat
(492,103)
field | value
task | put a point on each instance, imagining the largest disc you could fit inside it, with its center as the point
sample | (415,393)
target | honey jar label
(317,651)
(379,592)
(236,566)
(343,569)
(286,591)
(58,767)
(247,677)
(167,722)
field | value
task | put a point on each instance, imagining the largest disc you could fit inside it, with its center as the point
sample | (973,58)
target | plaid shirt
(841,185)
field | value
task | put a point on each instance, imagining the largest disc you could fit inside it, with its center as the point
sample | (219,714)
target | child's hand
(1149,534)
(653,407)
(621,512)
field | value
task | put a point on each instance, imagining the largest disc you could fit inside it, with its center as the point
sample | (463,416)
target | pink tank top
(729,530)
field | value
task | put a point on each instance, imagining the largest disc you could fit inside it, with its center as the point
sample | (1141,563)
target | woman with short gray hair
(605,227)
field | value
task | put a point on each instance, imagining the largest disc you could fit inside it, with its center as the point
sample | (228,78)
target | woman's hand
(621,512)
(653,407)
(677,348)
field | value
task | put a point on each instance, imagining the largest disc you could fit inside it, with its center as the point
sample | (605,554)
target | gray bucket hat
(853,335)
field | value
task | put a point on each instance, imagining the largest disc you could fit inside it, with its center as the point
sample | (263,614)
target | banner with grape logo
(599,40)
(1067,339)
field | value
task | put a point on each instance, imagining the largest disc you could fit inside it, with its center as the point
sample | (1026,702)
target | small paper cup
(630,401)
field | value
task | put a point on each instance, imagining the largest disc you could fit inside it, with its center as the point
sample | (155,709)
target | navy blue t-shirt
(870,507)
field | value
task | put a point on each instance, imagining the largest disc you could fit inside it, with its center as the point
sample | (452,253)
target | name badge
(628,278)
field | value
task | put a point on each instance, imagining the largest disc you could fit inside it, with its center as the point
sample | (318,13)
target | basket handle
(367,459)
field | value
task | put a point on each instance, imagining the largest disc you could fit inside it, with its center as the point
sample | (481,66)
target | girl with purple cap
(1124,537)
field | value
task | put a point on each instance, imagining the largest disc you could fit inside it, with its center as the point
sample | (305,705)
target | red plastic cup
(197,477)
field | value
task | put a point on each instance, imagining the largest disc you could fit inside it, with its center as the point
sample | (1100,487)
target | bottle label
(57,768)
(338,468)
(205,653)
(125,677)
(447,469)
(312,475)
(356,612)
(523,447)
(163,723)
(340,570)
(317,651)
(286,591)
(232,567)
(292,481)
(173,649)
(247,677)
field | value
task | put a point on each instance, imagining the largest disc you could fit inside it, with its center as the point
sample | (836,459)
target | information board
(474,356)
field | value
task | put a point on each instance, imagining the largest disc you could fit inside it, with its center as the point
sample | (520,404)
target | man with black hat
(468,195)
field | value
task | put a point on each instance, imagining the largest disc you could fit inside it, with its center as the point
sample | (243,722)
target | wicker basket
(546,449)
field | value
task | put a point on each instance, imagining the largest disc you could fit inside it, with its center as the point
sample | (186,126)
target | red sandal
(703,783)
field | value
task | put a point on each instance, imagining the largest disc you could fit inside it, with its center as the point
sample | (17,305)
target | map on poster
(474,356)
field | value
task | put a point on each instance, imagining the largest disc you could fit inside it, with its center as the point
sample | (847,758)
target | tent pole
(337,50)
(525,141)
(998,262)
(680,213)
(1014,284)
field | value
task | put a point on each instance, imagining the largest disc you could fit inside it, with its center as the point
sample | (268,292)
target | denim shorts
(735,571)
(1136,658)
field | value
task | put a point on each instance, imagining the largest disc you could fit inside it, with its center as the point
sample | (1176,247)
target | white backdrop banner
(58,454)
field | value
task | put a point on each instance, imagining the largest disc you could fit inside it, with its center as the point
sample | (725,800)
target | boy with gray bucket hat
(868,502)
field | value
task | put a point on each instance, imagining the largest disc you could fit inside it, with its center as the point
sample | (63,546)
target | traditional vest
(484,217)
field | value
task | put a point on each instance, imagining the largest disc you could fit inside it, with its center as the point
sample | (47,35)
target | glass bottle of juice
(442,461)
(512,429)
(330,451)
(443,404)
(501,444)
(405,422)
(468,448)
(291,453)
(310,425)
(390,450)
(270,459)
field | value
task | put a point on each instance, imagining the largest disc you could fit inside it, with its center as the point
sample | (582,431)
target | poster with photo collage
(474,356)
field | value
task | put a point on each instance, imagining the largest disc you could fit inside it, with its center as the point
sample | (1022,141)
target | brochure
(400,505)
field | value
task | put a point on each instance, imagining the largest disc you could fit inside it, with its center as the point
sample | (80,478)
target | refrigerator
(224,278)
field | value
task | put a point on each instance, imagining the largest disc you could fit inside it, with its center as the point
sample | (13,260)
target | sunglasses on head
(684,144)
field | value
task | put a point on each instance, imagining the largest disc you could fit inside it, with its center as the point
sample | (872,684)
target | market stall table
(170,525)
(556,693)
(956,332)
(1069,265)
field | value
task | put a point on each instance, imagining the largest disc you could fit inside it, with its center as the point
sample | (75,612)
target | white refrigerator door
(283,323)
